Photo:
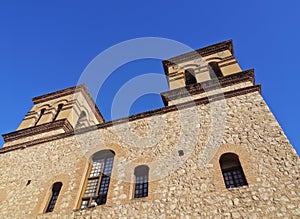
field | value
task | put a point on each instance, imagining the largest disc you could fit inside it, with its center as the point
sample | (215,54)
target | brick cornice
(203,87)
(205,100)
(59,124)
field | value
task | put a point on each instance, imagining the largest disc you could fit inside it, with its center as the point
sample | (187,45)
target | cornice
(205,86)
(34,142)
(47,127)
(58,94)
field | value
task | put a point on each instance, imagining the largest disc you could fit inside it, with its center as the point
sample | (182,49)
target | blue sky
(45,46)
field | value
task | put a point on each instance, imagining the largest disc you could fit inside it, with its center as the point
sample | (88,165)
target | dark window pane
(233,180)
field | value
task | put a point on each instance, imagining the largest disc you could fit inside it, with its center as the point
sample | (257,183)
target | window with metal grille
(55,193)
(97,184)
(189,76)
(232,171)
(141,181)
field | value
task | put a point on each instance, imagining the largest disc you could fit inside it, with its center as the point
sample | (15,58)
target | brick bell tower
(200,73)
(55,113)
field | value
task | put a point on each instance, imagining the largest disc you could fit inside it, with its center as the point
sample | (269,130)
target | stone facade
(188,186)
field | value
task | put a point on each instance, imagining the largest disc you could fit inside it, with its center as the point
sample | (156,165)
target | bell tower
(197,73)
(57,113)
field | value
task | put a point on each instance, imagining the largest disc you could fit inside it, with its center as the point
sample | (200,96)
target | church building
(215,150)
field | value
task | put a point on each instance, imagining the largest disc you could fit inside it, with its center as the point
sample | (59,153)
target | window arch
(189,76)
(82,120)
(42,112)
(54,196)
(59,107)
(214,70)
(98,179)
(141,181)
(232,171)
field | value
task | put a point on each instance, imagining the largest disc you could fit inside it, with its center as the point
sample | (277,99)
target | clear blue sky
(45,46)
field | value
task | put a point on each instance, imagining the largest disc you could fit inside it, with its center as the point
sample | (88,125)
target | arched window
(214,70)
(40,116)
(82,120)
(141,181)
(54,196)
(189,76)
(59,107)
(232,171)
(97,184)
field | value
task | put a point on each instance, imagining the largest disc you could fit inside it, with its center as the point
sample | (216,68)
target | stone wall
(190,186)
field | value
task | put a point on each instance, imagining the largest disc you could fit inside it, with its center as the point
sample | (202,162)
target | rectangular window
(141,181)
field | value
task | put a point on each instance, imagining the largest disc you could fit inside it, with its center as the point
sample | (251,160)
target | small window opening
(55,193)
(40,116)
(180,153)
(59,107)
(189,76)
(232,171)
(214,70)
